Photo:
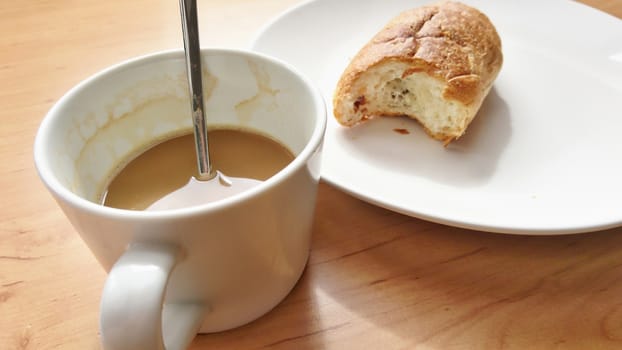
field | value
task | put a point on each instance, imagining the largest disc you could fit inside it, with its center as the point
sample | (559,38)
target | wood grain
(375,279)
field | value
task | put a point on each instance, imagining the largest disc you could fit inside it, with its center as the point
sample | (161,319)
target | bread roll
(435,64)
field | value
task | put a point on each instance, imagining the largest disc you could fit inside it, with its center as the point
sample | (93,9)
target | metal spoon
(193,68)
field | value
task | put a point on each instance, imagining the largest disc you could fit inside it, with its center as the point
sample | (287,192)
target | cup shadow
(392,279)
(468,161)
(295,319)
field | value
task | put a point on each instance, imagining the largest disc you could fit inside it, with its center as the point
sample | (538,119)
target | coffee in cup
(165,176)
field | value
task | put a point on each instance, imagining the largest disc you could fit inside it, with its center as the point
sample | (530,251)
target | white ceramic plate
(544,154)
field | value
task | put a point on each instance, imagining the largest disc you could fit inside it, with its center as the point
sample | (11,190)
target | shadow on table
(411,282)
(391,281)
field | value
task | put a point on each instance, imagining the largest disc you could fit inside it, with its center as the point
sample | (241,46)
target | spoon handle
(193,69)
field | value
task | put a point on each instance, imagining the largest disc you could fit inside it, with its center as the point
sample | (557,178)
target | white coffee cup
(203,269)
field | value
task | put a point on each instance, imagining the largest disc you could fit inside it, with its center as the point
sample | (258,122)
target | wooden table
(375,280)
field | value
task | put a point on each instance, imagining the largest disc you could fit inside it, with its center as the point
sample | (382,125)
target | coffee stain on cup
(121,122)
(99,155)
(265,98)
(210,82)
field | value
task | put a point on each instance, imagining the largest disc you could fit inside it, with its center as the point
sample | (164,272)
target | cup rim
(51,182)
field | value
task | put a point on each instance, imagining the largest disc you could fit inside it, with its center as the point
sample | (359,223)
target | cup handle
(133,314)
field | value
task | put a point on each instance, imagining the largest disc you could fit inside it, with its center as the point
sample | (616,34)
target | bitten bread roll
(435,64)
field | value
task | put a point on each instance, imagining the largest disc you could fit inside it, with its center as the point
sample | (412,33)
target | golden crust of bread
(449,41)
